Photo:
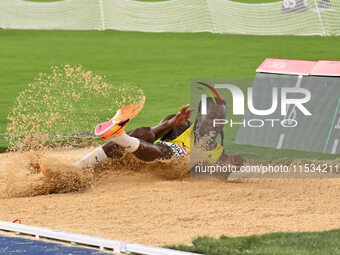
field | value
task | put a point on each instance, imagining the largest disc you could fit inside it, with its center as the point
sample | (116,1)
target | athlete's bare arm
(167,124)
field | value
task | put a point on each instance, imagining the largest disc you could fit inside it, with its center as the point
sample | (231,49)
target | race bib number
(177,150)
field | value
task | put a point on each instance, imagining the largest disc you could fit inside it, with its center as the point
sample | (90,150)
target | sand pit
(139,204)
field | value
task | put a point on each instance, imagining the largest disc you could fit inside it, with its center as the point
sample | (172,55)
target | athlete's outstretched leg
(112,149)
(144,150)
(139,141)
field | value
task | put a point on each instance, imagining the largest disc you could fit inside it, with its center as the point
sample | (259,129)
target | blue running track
(18,245)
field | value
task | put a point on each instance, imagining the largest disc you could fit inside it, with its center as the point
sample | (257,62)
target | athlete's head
(204,124)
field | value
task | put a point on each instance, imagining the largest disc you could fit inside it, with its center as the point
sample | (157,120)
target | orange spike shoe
(117,124)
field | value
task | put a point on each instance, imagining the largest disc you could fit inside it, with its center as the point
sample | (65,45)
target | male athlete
(171,138)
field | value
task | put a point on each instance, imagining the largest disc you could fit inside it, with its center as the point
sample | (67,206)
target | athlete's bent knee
(113,150)
(143,133)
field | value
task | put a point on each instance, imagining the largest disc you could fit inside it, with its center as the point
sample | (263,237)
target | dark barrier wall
(319,132)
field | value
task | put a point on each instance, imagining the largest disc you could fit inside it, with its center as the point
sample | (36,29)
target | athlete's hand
(235,160)
(181,116)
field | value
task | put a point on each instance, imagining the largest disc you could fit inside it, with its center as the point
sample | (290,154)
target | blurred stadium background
(287,17)
(161,63)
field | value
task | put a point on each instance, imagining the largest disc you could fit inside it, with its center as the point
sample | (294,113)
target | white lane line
(335,146)
(279,145)
(298,83)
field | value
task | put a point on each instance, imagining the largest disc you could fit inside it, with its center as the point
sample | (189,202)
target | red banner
(326,68)
(300,67)
(286,66)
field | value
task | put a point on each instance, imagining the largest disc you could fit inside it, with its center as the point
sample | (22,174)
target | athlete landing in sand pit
(170,138)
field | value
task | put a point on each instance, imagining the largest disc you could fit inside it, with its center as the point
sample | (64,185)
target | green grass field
(307,243)
(162,64)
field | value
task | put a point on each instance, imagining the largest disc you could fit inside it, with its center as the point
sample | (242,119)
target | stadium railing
(285,17)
